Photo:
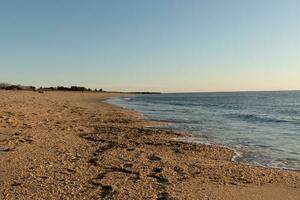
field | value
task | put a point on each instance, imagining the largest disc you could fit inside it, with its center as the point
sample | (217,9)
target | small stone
(154,158)
(5,149)
(16,184)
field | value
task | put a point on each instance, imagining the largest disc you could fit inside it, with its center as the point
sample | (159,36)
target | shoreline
(163,124)
(187,135)
(73,145)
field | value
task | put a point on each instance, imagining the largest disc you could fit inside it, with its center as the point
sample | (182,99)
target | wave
(256,118)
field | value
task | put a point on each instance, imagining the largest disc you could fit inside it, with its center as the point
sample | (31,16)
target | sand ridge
(69,145)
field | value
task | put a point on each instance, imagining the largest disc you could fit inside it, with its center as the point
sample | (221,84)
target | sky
(157,45)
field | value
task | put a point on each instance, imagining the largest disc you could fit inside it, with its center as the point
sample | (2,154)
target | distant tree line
(72,88)
(6,86)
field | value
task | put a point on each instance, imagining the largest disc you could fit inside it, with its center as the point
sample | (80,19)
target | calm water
(262,127)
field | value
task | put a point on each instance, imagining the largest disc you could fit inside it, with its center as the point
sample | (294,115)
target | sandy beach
(72,145)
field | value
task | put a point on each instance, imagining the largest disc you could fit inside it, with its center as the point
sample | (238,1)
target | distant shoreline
(6,86)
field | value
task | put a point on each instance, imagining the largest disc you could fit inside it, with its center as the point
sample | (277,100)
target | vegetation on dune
(7,86)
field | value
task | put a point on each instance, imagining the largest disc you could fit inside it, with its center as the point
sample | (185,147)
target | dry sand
(68,145)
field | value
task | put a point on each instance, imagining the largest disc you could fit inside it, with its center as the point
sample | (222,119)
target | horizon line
(166,92)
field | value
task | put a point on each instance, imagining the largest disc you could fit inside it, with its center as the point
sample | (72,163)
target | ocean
(263,128)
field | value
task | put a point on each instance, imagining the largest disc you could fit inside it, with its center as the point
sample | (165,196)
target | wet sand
(70,145)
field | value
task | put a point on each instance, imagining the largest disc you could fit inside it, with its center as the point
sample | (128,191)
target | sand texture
(70,145)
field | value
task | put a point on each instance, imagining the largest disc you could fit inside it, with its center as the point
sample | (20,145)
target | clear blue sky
(165,45)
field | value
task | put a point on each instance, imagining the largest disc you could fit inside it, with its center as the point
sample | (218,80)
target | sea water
(262,127)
